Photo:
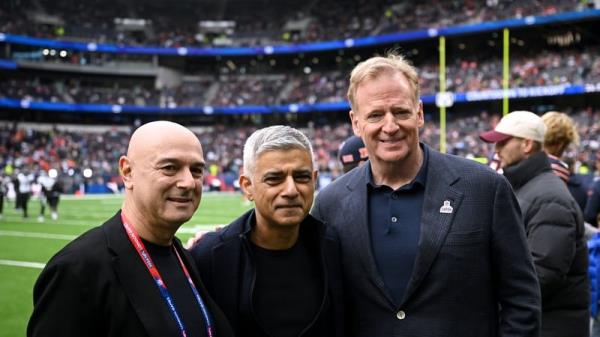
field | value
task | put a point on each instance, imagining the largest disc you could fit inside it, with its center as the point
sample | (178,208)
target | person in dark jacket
(432,244)
(275,271)
(592,208)
(131,276)
(553,220)
(578,184)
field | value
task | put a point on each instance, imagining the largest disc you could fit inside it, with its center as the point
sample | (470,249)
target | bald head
(151,135)
(162,173)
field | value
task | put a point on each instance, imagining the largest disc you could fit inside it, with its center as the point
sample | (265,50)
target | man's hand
(192,241)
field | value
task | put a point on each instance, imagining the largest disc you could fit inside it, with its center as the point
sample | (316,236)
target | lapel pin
(446,208)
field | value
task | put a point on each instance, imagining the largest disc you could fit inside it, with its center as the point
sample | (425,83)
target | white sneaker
(54,216)
(40,218)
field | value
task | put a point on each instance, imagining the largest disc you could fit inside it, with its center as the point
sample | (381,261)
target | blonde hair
(375,66)
(560,130)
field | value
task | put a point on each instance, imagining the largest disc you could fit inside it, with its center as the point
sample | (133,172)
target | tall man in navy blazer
(432,245)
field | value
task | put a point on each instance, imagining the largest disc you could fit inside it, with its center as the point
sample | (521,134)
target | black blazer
(98,286)
(224,263)
(473,273)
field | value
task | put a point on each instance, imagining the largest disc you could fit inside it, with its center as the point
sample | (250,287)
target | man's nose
(390,125)
(290,189)
(186,179)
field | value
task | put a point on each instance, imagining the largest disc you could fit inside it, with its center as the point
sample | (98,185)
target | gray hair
(273,138)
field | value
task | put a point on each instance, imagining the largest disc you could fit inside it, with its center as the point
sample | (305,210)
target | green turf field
(26,244)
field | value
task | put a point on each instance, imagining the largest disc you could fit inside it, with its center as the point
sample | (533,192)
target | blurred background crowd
(86,158)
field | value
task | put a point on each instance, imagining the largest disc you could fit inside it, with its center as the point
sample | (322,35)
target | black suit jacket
(98,286)
(473,274)
(224,262)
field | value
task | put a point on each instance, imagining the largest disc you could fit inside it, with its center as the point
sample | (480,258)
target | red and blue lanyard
(162,287)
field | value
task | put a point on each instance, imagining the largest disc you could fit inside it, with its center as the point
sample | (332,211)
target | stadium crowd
(85,160)
(463,75)
(544,68)
(71,153)
(287,22)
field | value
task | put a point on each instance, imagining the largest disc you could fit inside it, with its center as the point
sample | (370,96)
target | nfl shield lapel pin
(446,208)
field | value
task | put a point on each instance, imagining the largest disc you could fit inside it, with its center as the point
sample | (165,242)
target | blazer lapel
(228,274)
(357,217)
(137,282)
(435,220)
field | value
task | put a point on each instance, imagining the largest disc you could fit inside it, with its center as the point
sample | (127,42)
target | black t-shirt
(185,302)
(288,288)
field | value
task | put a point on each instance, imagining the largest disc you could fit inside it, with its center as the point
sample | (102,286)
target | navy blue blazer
(98,286)
(473,274)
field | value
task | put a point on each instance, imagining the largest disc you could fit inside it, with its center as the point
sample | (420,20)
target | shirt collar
(420,178)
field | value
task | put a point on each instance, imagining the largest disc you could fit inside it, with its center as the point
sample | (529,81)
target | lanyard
(162,287)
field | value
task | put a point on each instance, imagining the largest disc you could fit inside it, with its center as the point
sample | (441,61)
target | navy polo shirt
(395,226)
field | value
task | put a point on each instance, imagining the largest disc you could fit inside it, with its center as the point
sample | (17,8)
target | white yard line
(13,263)
(199,228)
(182,230)
(91,197)
(38,235)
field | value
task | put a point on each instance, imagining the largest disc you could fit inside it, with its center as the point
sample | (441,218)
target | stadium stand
(228,95)
(272,23)
(464,75)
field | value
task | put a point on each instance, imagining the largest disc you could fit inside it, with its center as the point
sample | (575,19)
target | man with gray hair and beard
(275,271)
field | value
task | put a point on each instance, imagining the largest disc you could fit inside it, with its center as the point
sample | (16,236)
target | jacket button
(401,315)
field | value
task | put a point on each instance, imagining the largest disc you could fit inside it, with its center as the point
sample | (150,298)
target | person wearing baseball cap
(517,135)
(553,221)
(352,153)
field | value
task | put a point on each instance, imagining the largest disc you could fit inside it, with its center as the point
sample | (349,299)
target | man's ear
(247,187)
(420,115)
(354,121)
(528,146)
(315,175)
(126,172)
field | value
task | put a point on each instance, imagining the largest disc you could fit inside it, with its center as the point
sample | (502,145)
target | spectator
(352,153)
(560,133)
(592,208)
(555,230)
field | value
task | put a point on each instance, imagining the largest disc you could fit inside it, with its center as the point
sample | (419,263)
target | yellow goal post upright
(505,70)
(444,99)
(442,93)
